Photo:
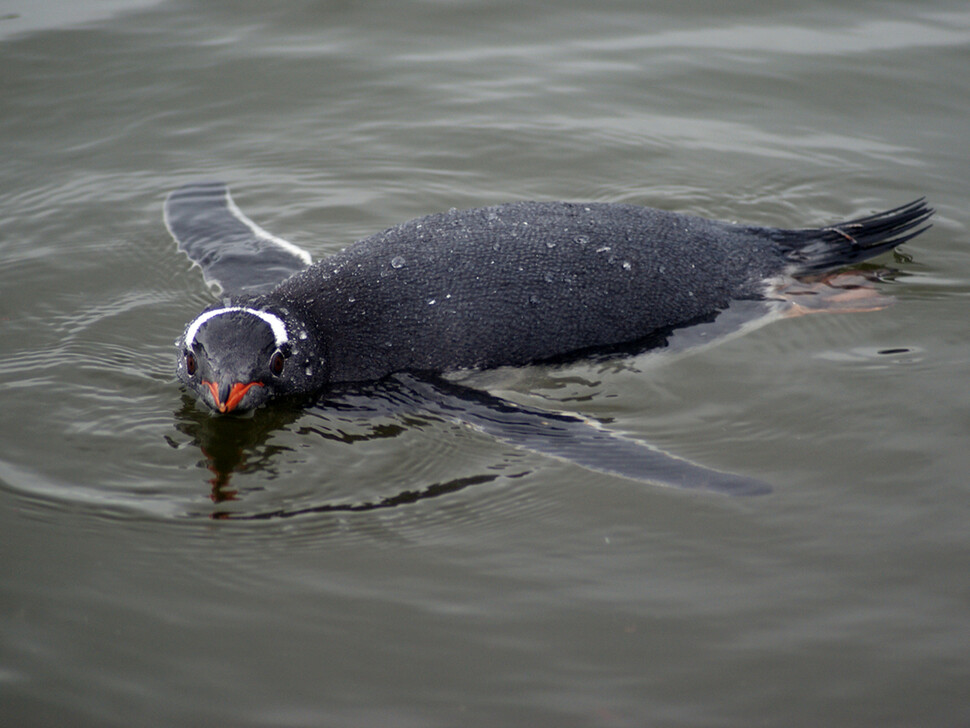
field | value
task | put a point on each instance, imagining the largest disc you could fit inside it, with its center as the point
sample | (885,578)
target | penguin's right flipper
(235,254)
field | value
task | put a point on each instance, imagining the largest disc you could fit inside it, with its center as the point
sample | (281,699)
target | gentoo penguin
(509,284)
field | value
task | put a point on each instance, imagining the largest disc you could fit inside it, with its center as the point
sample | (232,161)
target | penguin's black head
(237,358)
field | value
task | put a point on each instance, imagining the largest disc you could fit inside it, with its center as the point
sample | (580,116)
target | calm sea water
(495,586)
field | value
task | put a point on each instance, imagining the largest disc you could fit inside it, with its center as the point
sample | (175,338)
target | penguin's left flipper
(235,254)
(571,438)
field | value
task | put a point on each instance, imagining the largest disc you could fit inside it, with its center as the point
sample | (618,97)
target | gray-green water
(522,590)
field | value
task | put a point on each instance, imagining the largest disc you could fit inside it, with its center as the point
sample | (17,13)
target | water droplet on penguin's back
(397,262)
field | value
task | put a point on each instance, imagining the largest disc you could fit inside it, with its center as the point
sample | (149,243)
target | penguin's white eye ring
(190,363)
(276,363)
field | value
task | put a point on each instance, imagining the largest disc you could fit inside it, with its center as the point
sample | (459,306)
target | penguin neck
(308,369)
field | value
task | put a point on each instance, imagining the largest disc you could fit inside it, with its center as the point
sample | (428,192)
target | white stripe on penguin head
(272,320)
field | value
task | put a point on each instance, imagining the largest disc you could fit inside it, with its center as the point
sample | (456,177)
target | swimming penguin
(510,284)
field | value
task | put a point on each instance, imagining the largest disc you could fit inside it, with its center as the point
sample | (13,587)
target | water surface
(512,588)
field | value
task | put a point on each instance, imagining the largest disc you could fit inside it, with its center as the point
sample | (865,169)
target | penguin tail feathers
(855,240)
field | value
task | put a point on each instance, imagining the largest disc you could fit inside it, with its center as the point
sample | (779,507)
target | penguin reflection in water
(506,285)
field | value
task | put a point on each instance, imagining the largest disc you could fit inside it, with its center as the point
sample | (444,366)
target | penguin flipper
(235,254)
(572,438)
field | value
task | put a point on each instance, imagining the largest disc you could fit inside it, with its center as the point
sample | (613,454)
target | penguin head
(236,358)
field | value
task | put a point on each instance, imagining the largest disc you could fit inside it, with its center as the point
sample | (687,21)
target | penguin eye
(190,364)
(276,363)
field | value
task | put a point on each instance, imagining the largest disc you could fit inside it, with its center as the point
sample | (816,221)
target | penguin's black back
(521,282)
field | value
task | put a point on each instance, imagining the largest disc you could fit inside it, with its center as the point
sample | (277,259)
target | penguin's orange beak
(236,393)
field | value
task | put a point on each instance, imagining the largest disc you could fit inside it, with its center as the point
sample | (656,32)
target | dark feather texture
(855,240)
